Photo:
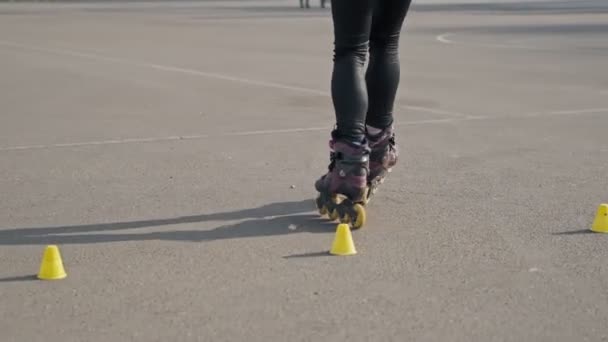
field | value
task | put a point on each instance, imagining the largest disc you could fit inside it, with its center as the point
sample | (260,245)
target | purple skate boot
(343,189)
(384,155)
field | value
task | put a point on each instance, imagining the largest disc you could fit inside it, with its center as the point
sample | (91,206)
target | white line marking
(275,131)
(100,142)
(299,130)
(456,116)
(580,111)
(196,137)
(436,111)
(442,38)
(168,68)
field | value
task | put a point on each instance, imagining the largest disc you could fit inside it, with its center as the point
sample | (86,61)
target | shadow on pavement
(308,255)
(272,219)
(575,232)
(18,278)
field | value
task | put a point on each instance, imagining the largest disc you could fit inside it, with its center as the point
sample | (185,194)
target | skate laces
(391,142)
(332,160)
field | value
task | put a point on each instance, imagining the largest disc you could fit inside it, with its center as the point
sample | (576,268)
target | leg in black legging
(352,24)
(383,73)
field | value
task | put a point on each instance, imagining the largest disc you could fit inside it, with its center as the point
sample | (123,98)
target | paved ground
(158,144)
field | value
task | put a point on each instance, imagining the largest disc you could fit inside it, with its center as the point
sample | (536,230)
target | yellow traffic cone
(343,241)
(600,224)
(51,267)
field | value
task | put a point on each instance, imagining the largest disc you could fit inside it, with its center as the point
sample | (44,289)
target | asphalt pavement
(169,150)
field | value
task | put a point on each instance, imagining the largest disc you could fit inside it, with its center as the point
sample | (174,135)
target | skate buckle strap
(350,159)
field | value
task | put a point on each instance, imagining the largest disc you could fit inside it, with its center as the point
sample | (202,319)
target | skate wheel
(360,221)
(368,195)
(320,206)
(334,215)
(323,210)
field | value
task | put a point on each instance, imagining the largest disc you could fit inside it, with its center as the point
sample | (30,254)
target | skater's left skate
(383,157)
(343,189)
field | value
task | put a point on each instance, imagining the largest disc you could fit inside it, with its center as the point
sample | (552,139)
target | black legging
(361,97)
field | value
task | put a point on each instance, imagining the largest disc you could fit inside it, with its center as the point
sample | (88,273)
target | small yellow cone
(343,241)
(51,267)
(600,224)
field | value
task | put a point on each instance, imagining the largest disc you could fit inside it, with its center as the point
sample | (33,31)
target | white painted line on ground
(261,18)
(197,136)
(168,68)
(298,130)
(456,116)
(276,131)
(100,142)
(443,38)
(437,111)
(576,112)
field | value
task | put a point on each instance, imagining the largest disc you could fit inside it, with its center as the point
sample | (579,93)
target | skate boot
(384,155)
(343,189)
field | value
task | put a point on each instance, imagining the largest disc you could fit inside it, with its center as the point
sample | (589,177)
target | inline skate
(383,156)
(344,188)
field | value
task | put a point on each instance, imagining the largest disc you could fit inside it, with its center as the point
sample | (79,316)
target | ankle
(373,131)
